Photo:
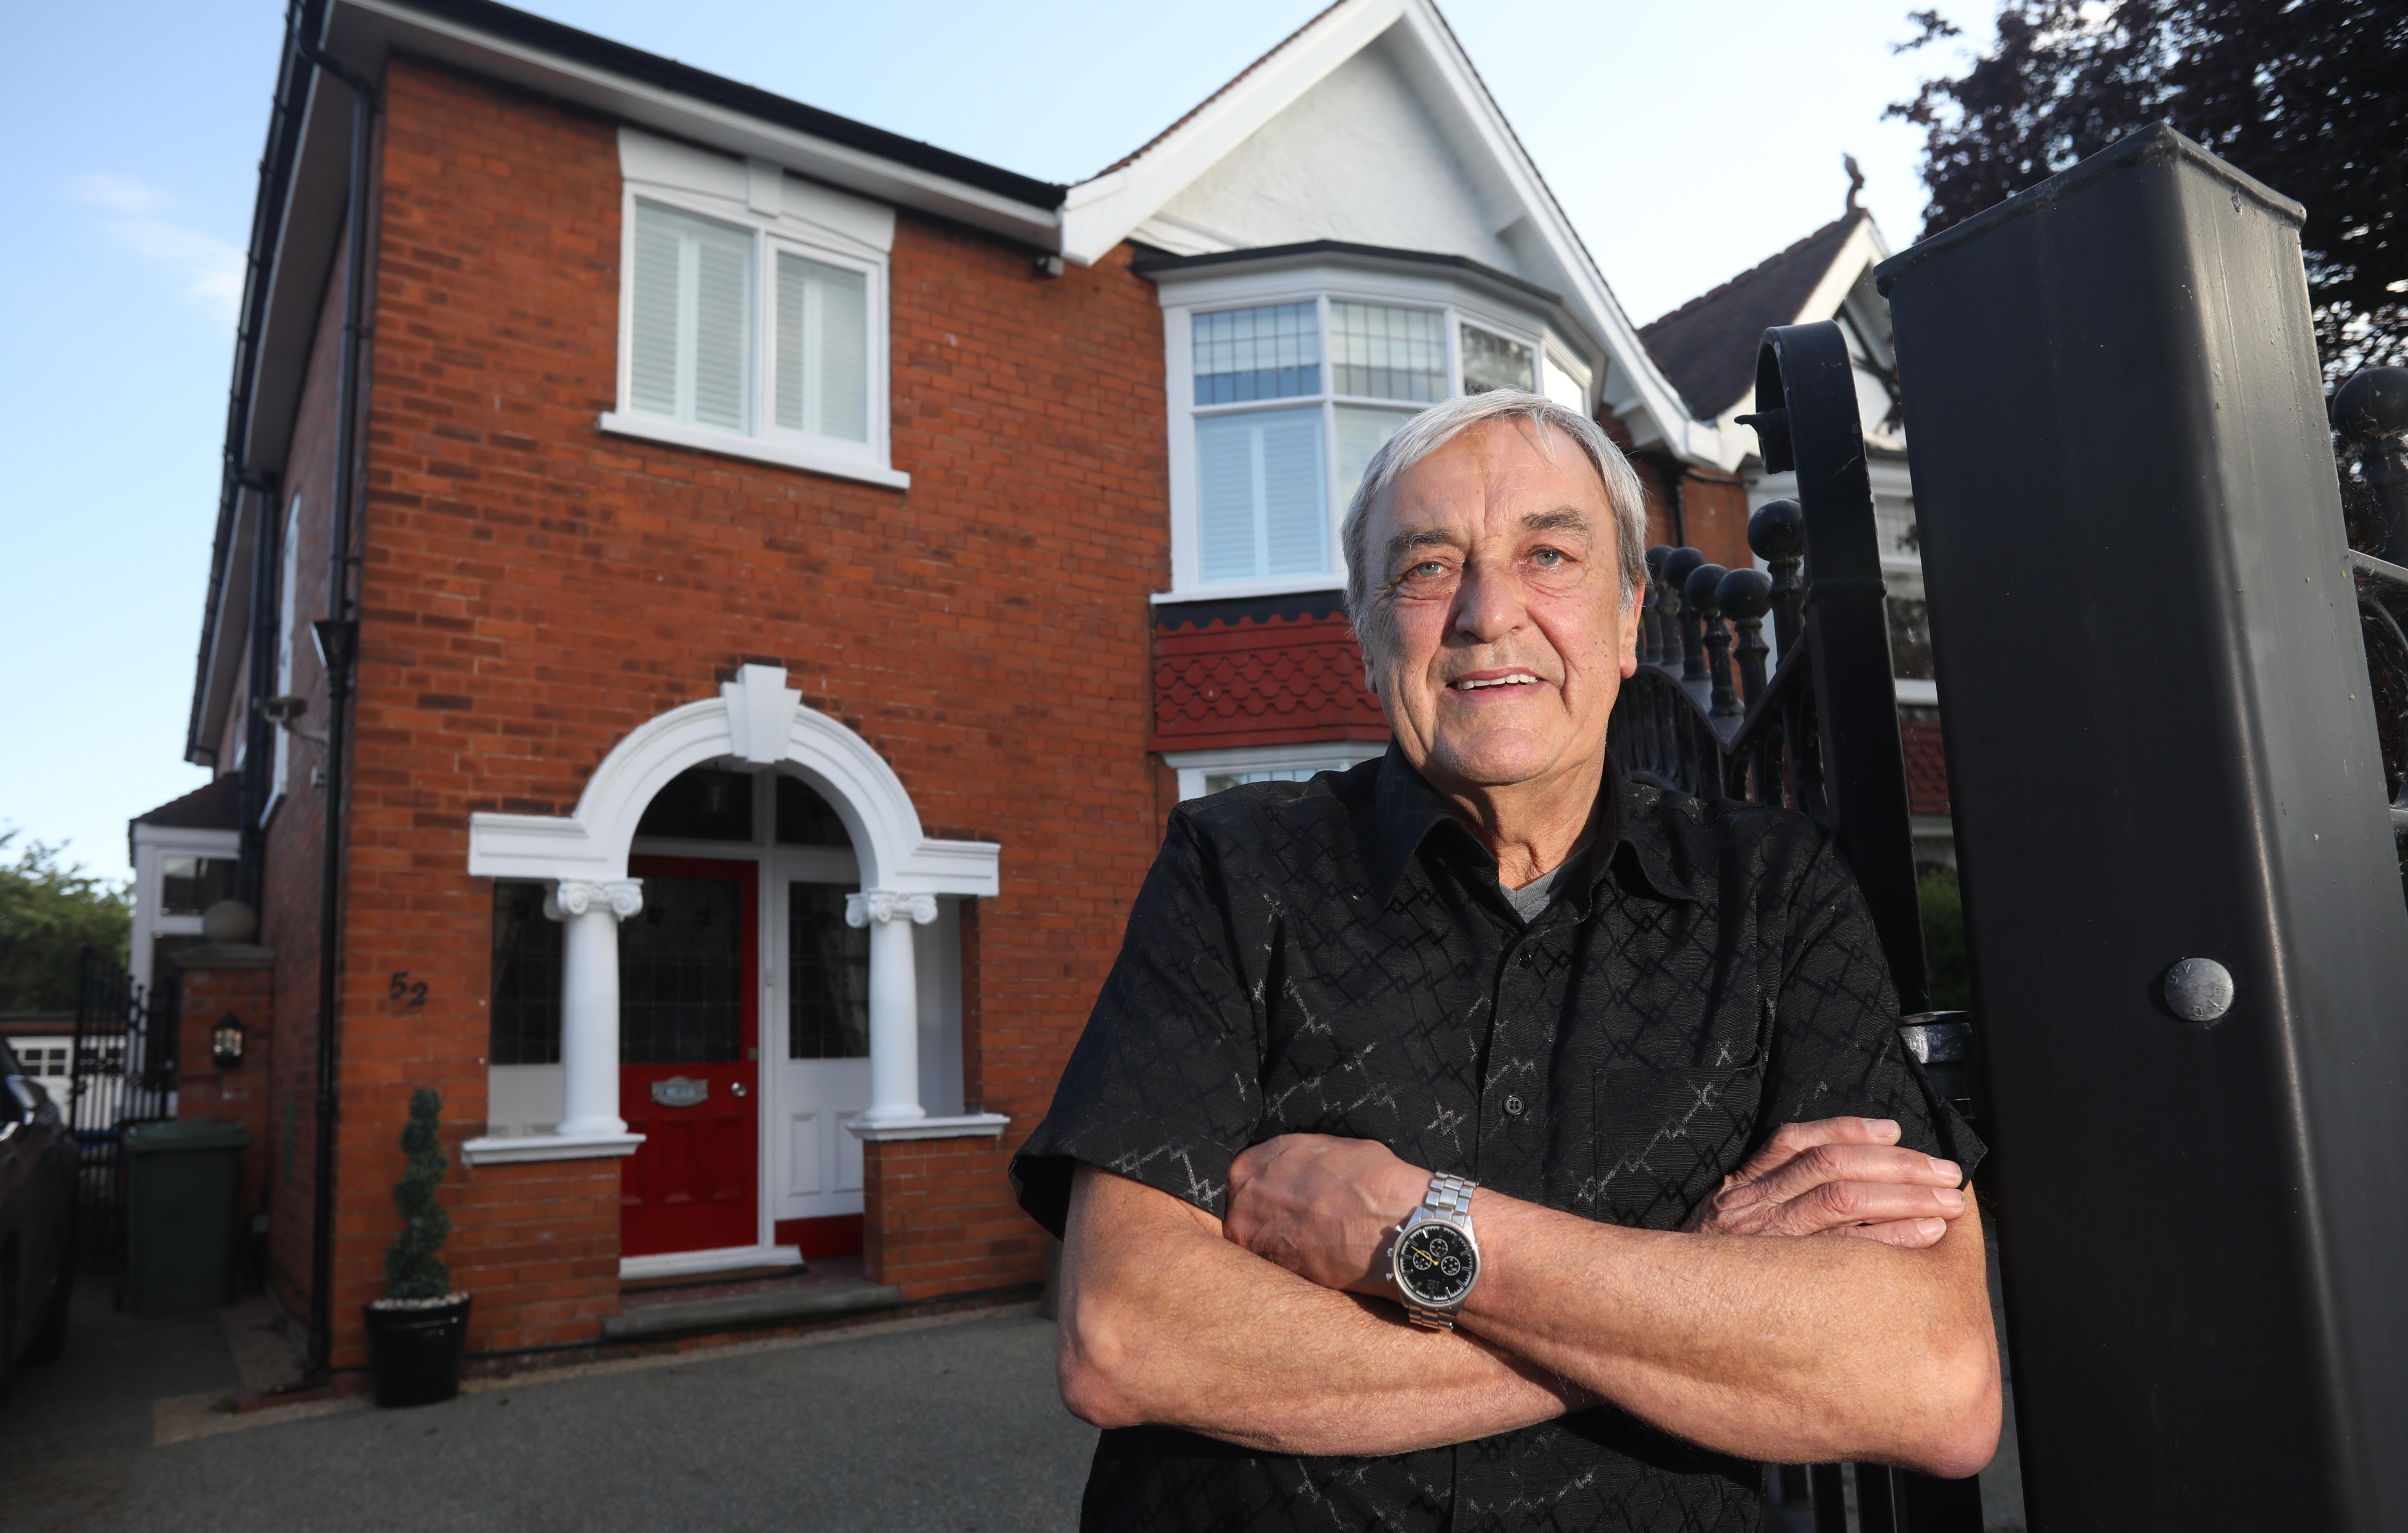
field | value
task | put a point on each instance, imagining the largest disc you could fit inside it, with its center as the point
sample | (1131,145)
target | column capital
(621,898)
(883,905)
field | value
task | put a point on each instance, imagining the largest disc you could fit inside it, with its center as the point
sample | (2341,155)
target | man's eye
(1547,558)
(1428,569)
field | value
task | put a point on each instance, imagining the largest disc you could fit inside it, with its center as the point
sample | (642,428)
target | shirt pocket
(1662,1140)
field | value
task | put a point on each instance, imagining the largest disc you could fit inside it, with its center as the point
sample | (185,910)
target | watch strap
(1447,1201)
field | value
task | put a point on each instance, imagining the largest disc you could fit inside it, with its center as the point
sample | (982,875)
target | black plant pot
(414,1349)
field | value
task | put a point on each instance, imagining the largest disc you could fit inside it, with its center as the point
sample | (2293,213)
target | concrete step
(735,1312)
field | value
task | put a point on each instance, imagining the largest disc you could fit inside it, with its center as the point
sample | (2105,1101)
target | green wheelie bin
(179,1214)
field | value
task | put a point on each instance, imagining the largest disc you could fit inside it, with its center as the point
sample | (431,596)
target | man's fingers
(1836,1205)
(1905,1234)
(1841,1161)
(1791,1140)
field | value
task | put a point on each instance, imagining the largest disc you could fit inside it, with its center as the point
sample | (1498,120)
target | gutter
(276,165)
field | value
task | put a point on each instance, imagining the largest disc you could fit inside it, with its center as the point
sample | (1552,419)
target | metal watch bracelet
(1447,1201)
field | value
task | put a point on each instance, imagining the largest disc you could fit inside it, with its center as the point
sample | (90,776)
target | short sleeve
(1165,1084)
(1835,1046)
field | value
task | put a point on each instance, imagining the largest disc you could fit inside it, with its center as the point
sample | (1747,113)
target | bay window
(1282,394)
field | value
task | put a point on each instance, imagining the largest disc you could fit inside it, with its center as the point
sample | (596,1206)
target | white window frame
(1459,301)
(1194,766)
(784,214)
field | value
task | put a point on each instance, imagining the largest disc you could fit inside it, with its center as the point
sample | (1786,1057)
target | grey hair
(1442,424)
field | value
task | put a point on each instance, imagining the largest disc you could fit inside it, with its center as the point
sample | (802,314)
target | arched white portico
(756,719)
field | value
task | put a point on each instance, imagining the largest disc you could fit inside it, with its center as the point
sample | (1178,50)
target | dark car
(37,1179)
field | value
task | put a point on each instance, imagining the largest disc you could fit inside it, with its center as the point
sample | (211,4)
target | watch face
(1435,1265)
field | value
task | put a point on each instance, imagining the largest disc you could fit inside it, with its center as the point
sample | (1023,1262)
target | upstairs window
(753,313)
(691,333)
(1283,406)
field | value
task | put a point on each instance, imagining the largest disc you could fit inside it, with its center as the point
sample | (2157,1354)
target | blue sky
(1687,142)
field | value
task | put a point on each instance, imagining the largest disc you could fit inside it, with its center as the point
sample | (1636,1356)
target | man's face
(1508,636)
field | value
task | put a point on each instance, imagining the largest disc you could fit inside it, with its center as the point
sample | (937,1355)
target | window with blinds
(690,339)
(1259,500)
(1288,403)
(823,362)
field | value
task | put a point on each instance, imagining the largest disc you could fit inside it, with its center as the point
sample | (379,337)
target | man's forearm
(1798,1351)
(1166,1323)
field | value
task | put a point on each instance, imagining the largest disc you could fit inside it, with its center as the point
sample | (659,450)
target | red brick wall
(238,1095)
(533,591)
(940,1228)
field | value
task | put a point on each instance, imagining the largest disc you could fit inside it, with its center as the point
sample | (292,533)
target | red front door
(688,1037)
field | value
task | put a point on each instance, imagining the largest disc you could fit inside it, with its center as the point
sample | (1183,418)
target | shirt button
(1513,1105)
(1525,958)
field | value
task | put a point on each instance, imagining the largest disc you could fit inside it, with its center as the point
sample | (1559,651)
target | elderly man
(1442,1151)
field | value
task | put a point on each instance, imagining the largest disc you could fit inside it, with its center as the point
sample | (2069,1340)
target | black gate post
(2160,748)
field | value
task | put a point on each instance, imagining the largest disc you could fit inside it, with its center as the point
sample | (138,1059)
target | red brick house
(792,570)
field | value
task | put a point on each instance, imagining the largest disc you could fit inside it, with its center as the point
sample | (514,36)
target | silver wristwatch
(1436,1258)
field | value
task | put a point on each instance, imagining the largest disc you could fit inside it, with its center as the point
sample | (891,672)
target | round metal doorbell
(2198,989)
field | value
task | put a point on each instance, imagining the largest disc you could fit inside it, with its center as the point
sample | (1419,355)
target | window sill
(706,439)
(495,1152)
(1238,590)
(972,1126)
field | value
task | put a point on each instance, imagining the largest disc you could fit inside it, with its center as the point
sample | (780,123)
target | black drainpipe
(1676,478)
(337,633)
(259,734)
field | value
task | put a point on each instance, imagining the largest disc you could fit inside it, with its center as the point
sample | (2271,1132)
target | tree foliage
(49,912)
(2306,95)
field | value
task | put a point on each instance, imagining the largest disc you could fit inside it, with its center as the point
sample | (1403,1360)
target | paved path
(952,1427)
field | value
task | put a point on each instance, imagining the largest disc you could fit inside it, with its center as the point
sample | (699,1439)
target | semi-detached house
(792,570)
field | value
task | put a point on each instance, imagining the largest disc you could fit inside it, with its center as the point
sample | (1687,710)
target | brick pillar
(218,981)
(941,1220)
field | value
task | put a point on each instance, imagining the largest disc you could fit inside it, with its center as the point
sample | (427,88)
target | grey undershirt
(1531,900)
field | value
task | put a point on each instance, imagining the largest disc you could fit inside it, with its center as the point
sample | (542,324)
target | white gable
(1359,157)
(1370,126)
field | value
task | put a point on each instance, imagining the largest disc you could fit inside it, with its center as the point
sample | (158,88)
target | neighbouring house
(791,571)
(1707,347)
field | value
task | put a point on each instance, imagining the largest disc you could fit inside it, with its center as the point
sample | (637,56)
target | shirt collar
(1404,810)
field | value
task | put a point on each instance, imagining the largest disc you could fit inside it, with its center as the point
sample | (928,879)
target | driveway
(948,1426)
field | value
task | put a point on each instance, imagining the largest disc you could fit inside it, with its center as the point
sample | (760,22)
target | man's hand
(1836,1176)
(1323,1207)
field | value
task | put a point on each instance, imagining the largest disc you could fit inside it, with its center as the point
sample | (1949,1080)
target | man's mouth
(1499,679)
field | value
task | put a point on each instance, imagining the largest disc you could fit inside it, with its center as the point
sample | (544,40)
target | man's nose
(1488,603)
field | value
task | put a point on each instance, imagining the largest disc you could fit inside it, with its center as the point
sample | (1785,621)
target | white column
(893,1001)
(589,999)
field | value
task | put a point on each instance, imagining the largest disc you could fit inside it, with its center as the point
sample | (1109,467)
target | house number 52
(406,991)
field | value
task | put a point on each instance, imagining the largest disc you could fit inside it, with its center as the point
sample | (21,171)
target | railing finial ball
(1777,530)
(2372,405)
(1655,557)
(1701,586)
(1746,594)
(1677,565)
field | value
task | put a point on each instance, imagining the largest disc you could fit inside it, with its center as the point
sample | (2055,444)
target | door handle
(737,1087)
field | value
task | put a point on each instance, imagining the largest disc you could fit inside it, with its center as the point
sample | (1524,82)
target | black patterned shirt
(1337,958)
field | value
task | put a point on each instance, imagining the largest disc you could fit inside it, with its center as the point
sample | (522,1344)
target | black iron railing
(124,1073)
(1819,734)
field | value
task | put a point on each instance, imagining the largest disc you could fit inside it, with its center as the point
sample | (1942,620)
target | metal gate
(124,1073)
(1818,735)
(2175,827)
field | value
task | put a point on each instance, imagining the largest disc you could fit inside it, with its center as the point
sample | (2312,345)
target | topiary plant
(411,1269)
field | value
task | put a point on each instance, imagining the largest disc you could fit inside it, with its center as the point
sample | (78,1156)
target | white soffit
(1100,214)
(371,27)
